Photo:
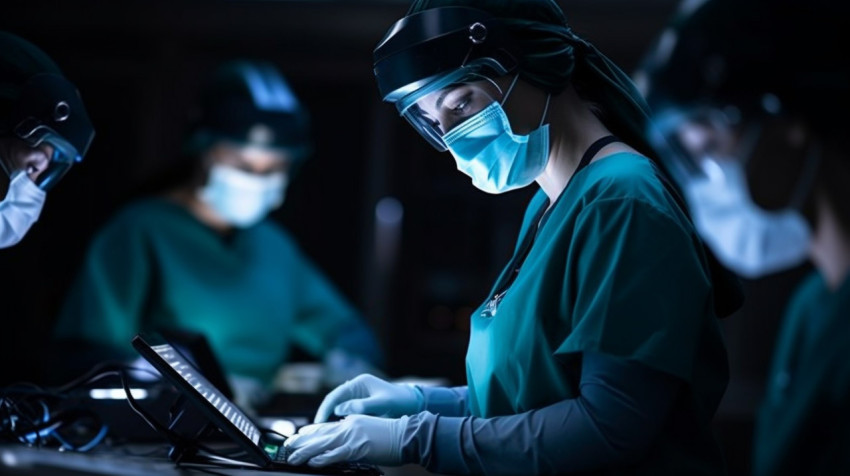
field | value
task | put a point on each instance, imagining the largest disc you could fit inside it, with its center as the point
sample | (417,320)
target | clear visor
(63,157)
(685,137)
(445,103)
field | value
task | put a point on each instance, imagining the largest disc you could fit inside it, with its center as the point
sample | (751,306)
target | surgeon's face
(709,135)
(18,155)
(251,159)
(451,106)
(772,148)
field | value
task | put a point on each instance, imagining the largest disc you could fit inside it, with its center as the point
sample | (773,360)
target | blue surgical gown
(253,294)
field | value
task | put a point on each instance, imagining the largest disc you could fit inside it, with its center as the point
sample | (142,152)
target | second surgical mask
(242,198)
(20,209)
(749,240)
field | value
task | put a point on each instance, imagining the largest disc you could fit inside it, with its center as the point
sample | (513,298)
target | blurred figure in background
(204,257)
(752,98)
(44,130)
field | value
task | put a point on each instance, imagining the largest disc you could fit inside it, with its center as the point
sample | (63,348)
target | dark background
(138,66)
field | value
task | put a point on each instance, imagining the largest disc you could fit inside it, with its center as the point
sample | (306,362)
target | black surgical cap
(552,56)
(245,97)
(540,29)
(743,52)
(20,60)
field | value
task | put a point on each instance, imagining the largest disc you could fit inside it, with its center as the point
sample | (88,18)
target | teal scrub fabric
(803,424)
(615,268)
(253,294)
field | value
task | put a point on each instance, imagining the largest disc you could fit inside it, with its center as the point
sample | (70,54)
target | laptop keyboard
(360,469)
(282,453)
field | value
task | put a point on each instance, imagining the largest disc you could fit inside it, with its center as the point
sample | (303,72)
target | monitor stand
(190,426)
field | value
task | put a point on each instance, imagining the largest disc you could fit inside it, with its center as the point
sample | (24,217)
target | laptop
(279,406)
(196,347)
(263,449)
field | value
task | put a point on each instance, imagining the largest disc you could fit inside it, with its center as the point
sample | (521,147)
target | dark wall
(138,64)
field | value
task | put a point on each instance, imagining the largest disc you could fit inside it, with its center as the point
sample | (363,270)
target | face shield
(712,152)
(250,103)
(446,103)
(50,112)
(427,57)
(690,138)
(63,157)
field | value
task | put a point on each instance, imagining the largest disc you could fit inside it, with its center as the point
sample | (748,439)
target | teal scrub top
(252,294)
(803,424)
(617,268)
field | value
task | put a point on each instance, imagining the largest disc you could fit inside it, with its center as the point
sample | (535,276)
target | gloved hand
(356,438)
(370,395)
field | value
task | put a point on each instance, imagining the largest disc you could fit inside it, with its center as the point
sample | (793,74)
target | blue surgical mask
(498,160)
(242,198)
(749,240)
(20,209)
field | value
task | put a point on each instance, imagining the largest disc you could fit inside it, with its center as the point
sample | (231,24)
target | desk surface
(137,460)
(130,460)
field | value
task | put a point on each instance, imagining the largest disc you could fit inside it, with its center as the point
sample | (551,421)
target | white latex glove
(358,438)
(370,395)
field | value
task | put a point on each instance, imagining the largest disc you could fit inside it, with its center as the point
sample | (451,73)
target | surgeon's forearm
(446,401)
(620,412)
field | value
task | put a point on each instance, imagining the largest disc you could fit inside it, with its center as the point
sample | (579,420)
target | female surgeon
(598,349)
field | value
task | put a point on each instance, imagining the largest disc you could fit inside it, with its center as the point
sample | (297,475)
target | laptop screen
(175,367)
(261,448)
(197,349)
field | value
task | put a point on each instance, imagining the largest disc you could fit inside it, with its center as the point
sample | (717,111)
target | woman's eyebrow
(441,98)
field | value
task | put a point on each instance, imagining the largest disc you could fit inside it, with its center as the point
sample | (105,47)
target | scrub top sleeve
(446,401)
(105,302)
(615,420)
(638,286)
(325,319)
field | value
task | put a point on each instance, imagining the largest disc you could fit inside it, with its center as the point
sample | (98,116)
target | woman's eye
(460,106)
(456,101)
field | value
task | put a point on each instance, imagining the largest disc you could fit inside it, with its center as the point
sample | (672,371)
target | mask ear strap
(545,110)
(510,88)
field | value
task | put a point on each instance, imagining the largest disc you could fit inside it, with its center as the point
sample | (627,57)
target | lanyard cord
(518,259)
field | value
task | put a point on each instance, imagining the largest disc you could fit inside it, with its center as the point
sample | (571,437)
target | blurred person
(752,98)
(204,257)
(598,350)
(44,130)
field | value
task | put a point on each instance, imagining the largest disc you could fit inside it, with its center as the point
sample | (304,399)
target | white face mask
(242,198)
(749,240)
(20,209)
